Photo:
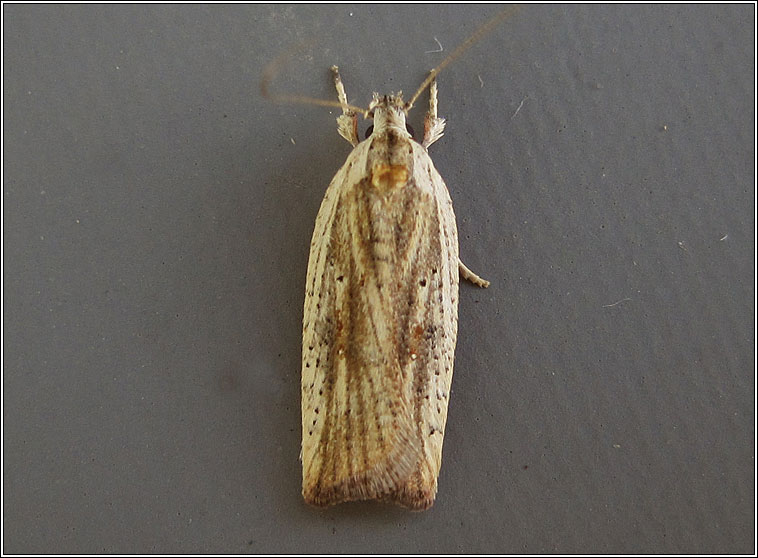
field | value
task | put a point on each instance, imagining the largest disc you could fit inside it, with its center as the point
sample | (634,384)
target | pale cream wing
(358,441)
(430,327)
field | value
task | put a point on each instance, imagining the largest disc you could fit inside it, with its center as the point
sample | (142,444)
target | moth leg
(433,126)
(347,122)
(471,276)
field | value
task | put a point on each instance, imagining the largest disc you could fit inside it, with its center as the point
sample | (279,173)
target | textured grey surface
(157,217)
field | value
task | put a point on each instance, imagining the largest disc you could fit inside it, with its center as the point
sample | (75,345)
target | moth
(381,311)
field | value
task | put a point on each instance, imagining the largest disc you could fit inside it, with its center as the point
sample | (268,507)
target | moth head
(393,101)
(388,111)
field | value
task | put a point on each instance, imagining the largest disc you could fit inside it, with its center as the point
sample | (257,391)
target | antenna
(270,72)
(272,68)
(463,47)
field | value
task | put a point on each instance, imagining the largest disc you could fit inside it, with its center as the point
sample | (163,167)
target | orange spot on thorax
(388,177)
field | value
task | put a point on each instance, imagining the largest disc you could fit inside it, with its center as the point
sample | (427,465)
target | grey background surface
(157,218)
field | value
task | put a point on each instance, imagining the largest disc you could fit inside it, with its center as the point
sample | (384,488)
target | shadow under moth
(381,310)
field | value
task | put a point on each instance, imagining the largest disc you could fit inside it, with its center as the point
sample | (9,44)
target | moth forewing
(357,439)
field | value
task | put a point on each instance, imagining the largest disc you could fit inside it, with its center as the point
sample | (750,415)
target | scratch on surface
(519,107)
(615,303)
(438,44)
